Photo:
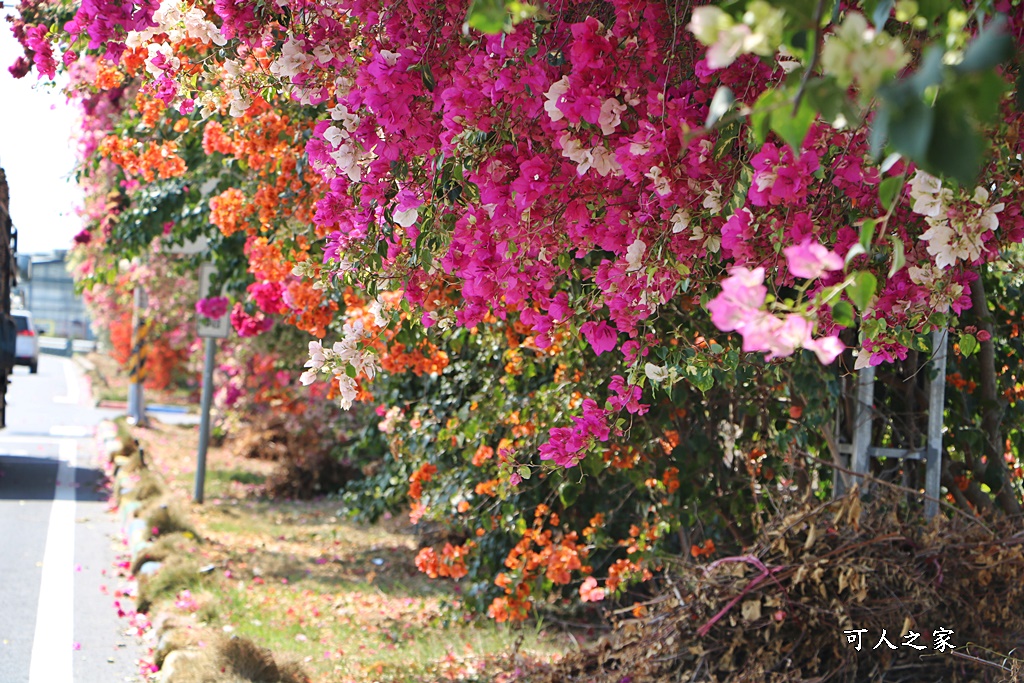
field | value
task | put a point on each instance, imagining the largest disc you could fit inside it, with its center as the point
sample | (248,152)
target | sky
(37,154)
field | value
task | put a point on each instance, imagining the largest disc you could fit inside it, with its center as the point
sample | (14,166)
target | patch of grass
(309,584)
(166,516)
(181,543)
(363,635)
(234,482)
(237,475)
(177,572)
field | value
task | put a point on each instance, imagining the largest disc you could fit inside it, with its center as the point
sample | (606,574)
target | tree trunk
(997,475)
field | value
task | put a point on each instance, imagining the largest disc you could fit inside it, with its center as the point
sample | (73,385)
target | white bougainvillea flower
(634,255)
(656,373)
(553,96)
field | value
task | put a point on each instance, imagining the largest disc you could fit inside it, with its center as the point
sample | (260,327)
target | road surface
(58,542)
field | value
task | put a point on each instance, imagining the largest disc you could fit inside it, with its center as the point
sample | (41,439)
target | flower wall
(563,250)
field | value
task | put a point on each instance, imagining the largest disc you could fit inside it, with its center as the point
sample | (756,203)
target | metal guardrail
(58,346)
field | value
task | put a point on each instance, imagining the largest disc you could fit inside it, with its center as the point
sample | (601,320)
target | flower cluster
(344,361)
(857,54)
(213,307)
(958,230)
(739,307)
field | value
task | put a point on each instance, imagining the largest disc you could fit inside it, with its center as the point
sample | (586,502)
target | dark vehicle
(26,346)
(8,278)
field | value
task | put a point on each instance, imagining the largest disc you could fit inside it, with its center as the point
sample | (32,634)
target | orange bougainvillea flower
(155,160)
(151,109)
(482,455)
(487,488)
(416,512)
(705,550)
(671,479)
(108,76)
(427,562)
(451,563)
(216,140)
(228,211)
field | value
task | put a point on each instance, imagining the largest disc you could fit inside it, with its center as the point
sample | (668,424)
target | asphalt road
(58,542)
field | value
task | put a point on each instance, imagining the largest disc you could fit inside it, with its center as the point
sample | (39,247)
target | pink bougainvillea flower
(827,348)
(213,307)
(811,260)
(600,335)
(743,293)
(249,325)
(589,591)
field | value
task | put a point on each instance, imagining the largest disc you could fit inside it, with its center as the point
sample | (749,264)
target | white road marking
(53,642)
(71,431)
(73,385)
(43,441)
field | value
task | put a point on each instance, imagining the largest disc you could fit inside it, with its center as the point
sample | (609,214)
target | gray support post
(863,413)
(136,401)
(204,419)
(936,404)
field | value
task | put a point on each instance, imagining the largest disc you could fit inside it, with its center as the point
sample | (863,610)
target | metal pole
(204,418)
(863,413)
(936,403)
(136,414)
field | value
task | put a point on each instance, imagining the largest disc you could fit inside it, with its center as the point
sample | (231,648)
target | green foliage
(936,117)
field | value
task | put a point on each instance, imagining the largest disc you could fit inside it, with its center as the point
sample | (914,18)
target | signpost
(210,329)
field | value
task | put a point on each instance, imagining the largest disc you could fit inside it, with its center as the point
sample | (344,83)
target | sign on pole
(210,328)
(196,246)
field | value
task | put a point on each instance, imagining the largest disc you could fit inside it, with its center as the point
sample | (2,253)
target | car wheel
(33,368)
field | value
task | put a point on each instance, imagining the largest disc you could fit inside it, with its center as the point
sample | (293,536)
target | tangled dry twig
(778,613)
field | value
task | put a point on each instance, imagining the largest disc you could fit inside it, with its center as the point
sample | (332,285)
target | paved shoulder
(59,541)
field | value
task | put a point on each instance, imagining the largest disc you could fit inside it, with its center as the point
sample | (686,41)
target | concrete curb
(182,652)
(135,532)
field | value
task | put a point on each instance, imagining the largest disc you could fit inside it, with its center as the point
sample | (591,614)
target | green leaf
(524,472)
(832,103)
(487,16)
(720,105)
(867,233)
(880,15)
(957,148)
(968,344)
(569,493)
(853,252)
(842,314)
(862,289)
(992,47)
(899,257)
(700,377)
(931,9)
(910,129)
(929,73)
(879,133)
(983,94)
(760,115)
(888,190)
(793,126)
(428,77)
